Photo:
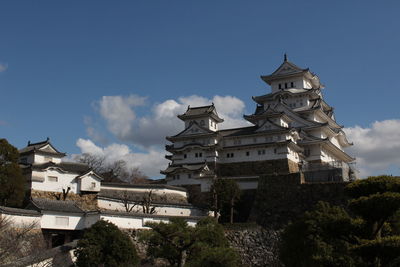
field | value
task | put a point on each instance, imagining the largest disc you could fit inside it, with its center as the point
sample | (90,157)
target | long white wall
(169,210)
(160,191)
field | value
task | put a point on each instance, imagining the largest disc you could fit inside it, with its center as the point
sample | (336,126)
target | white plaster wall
(141,189)
(124,222)
(240,155)
(48,221)
(160,209)
(20,221)
(43,159)
(86,183)
(64,180)
(298,83)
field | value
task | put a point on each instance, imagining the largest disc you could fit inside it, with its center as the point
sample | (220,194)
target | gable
(297,121)
(90,176)
(268,126)
(194,129)
(287,68)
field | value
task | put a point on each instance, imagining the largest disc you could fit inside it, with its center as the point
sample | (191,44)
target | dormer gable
(194,129)
(268,125)
(89,181)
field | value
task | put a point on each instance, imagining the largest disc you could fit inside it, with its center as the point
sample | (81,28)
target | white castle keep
(293,129)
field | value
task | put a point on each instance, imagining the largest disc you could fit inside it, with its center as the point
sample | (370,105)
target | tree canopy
(103,244)
(226,194)
(367,235)
(183,245)
(12,181)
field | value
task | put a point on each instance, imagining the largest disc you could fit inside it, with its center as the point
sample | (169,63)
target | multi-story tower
(293,130)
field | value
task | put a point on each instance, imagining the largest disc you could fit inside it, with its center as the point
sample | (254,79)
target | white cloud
(119,113)
(377,147)
(150,162)
(150,130)
(3,67)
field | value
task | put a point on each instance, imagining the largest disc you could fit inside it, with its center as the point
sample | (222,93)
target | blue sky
(59,59)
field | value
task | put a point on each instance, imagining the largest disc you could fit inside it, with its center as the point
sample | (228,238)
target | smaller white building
(45,170)
(60,192)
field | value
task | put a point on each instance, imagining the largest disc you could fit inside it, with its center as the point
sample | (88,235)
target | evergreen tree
(226,194)
(329,236)
(103,244)
(12,182)
(182,245)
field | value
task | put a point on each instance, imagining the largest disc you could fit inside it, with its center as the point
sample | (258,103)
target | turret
(205,116)
(289,76)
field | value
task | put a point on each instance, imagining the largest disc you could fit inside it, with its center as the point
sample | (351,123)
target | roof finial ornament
(47,139)
(29,142)
(285,57)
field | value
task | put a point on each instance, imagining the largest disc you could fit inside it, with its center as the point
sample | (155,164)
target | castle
(293,129)
(68,197)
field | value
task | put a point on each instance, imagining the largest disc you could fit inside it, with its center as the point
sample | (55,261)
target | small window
(292,84)
(62,221)
(280,86)
(286,86)
(196,155)
(261,152)
(184,156)
(52,179)
(200,155)
(93,185)
(275,150)
(247,153)
(189,176)
(228,155)
(237,142)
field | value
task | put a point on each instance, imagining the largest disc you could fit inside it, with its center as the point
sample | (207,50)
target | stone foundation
(84,201)
(283,198)
(281,166)
(255,246)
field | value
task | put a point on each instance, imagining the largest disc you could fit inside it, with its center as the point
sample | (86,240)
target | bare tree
(112,171)
(94,162)
(147,203)
(18,242)
(62,195)
(127,201)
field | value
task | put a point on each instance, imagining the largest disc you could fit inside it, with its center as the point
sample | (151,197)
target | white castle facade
(293,129)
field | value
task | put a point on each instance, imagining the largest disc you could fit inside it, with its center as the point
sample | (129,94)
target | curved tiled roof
(74,167)
(55,205)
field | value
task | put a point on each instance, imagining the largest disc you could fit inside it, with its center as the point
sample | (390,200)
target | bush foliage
(103,244)
(367,235)
(183,245)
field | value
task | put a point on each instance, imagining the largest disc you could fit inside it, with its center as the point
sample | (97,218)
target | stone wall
(255,246)
(283,198)
(257,167)
(84,201)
